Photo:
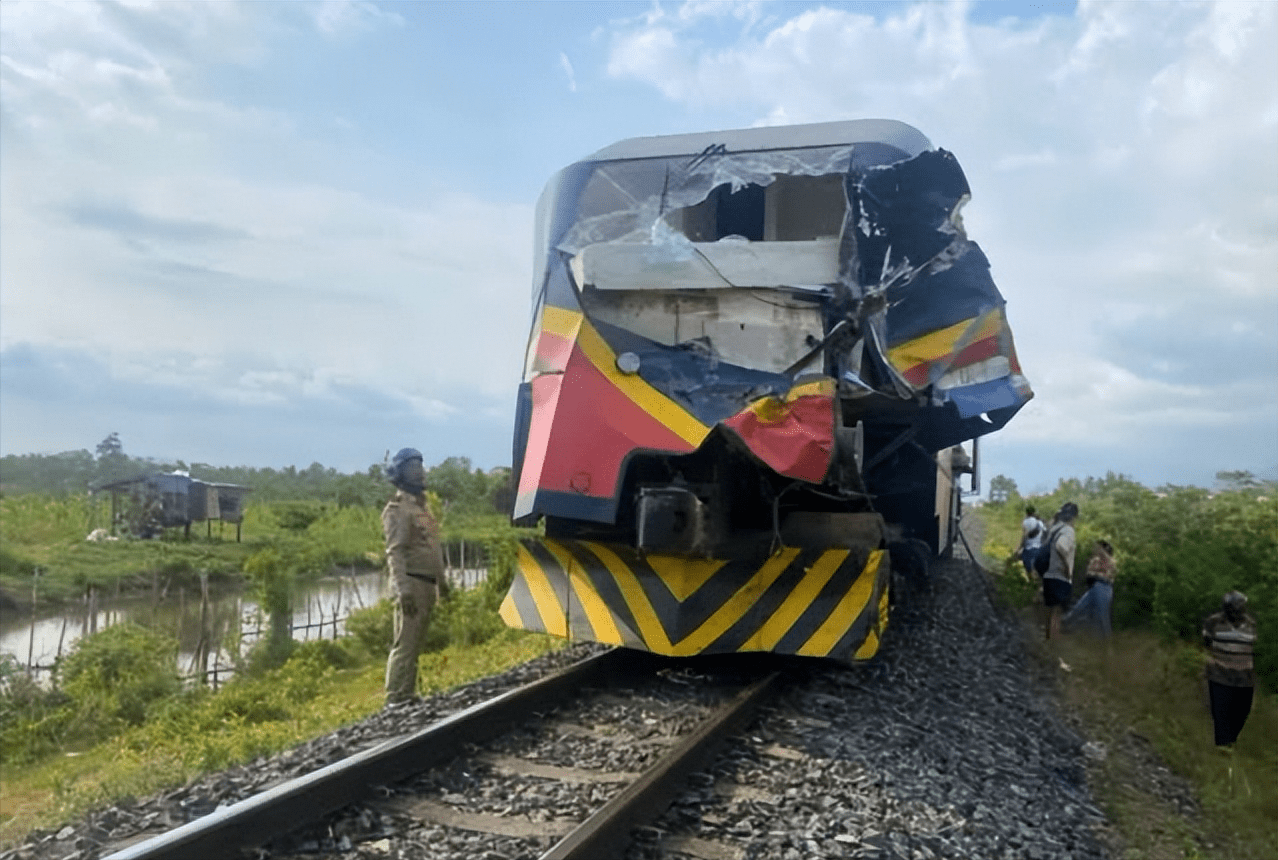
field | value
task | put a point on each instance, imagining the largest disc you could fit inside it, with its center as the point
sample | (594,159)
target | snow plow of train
(755,357)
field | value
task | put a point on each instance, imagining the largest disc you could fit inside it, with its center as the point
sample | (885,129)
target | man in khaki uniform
(416,563)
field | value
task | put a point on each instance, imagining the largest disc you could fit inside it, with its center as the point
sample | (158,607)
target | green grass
(205,732)
(1147,686)
(48,533)
(70,749)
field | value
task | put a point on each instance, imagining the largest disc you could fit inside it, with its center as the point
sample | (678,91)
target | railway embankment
(962,739)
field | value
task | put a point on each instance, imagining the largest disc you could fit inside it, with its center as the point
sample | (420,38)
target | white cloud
(1123,161)
(178,251)
(1045,157)
(566,65)
(333,17)
(1124,167)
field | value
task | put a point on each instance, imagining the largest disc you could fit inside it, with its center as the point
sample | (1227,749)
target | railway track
(461,772)
(947,745)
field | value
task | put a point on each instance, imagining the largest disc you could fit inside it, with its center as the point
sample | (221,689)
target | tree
(457,485)
(60,474)
(501,489)
(272,575)
(113,463)
(110,447)
(1237,480)
(1002,488)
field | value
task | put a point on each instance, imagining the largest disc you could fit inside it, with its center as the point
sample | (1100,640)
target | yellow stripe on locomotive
(812,602)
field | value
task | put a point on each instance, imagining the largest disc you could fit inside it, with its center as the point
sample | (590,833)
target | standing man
(1230,637)
(1032,531)
(415,562)
(1058,582)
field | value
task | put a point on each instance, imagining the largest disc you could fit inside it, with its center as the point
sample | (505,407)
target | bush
(15,567)
(272,574)
(458,618)
(1178,551)
(470,617)
(31,722)
(120,672)
(463,618)
(1012,585)
(373,628)
(322,655)
(297,516)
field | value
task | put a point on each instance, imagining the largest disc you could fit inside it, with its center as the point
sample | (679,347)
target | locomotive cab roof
(907,140)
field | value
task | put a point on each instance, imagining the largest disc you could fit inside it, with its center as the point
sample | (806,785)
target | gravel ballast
(942,746)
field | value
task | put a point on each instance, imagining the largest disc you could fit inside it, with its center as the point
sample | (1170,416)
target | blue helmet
(406,471)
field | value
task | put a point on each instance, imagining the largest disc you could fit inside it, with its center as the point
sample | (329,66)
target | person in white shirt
(1032,533)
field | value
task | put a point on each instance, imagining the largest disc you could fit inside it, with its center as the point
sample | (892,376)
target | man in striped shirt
(1230,637)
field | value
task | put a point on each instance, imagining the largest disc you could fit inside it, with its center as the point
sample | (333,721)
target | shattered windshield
(637,201)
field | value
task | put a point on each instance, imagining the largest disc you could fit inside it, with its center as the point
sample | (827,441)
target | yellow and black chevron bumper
(812,602)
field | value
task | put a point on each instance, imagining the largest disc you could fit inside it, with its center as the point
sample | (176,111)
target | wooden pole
(202,649)
(355,587)
(337,607)
(61,637)
(35,577)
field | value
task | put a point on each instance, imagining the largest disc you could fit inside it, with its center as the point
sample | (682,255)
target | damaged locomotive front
(747,349)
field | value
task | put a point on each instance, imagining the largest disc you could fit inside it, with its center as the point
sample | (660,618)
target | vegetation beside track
(47,534)
(314,519)
(323,686)
(131,734)
(1178,551)
(117,722)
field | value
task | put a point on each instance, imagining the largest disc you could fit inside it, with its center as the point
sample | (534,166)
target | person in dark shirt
(1230,637)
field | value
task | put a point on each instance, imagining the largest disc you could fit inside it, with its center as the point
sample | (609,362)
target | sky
(273,234)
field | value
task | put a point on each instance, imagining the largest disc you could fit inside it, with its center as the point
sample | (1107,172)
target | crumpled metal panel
(793,434)
(911,316)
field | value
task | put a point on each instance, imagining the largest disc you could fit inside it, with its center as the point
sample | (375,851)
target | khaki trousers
(414,599)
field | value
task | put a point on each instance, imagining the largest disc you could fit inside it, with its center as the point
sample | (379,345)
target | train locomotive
(754,358)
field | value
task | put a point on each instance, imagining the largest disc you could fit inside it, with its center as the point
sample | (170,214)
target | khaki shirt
(1062,566)
(412,537)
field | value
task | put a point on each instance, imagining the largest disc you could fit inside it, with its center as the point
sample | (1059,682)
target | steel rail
(300,801)
(606,832)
